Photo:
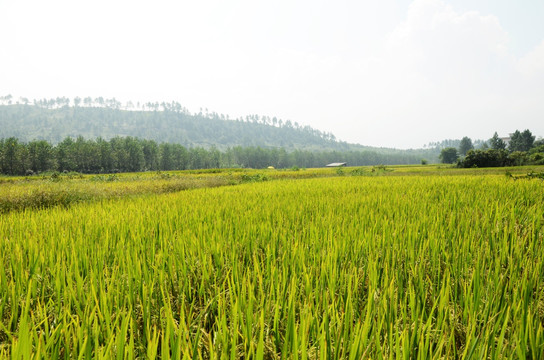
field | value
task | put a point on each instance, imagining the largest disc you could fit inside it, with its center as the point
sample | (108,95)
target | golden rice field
(411,264)
(33,192)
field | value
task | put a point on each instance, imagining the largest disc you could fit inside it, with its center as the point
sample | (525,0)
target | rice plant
(344,267)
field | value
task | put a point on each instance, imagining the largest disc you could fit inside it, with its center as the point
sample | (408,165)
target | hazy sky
(392,73)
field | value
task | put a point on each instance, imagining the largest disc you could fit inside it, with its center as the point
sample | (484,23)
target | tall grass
(334,268)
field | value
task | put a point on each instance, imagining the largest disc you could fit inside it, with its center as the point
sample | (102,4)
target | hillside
(53,121)
(173,125)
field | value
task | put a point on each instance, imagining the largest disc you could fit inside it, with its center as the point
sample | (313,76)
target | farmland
(404,262)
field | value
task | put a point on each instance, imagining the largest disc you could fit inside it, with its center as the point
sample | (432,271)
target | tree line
(520,148)
(131,154)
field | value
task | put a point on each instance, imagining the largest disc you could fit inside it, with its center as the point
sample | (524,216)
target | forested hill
(167,123)
(56,119)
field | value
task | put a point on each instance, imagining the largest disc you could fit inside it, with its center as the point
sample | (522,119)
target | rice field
(38,192)
(402,265)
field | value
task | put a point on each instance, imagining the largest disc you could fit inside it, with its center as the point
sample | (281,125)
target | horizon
(394,74)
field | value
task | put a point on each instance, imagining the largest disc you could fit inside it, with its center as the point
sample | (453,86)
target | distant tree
(120,154)
(465,145)
(11,163)
(106,155)
(197,158)
(448,155)
(135,160)
(527,140)
(496,142)
(65,155)
(179,157)
(518,157)
(214,157)
(485,158)
(516,142)
(151,154)
(83,154)
(521,141)
(166,161)
(40,156)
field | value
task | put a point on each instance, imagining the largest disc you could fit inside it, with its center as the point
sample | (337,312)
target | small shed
(337,164)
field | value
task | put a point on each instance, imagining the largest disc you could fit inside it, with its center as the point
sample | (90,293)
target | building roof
(336,164)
